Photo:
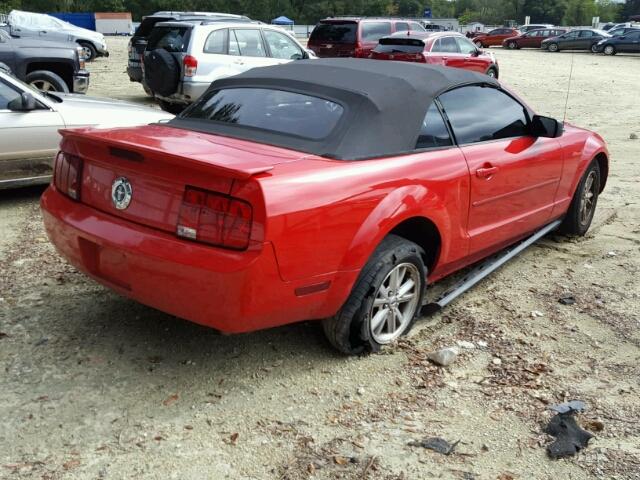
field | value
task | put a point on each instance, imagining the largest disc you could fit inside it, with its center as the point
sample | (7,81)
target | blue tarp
(282,21)
(84,20)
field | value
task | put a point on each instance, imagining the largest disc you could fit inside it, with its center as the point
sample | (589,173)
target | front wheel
(594,48)
(583,205)
(609,50)
(492,72)
(512,45)
(89,52)
(47,81)
(384,302)
(174,108)
(553,47)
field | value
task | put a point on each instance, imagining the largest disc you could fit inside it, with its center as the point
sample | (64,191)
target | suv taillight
(67,175)
(190,65)
(215,219)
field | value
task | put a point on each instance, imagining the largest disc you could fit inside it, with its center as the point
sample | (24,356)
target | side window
(217,42)
(495,32)
(402,27)
(434,132)
(572,35)
(7,94)
(416,27)
(465,46)
(479,114)
(586,34)
(282,46)
(448,45)
(249,43)
(374,31)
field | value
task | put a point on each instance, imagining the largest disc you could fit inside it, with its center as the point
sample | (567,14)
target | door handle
(486,172)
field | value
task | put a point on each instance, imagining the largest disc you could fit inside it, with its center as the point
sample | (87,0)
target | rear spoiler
(86,143)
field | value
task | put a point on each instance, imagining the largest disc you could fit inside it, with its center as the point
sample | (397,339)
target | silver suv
(183,58)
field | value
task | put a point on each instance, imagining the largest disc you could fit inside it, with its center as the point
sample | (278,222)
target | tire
(47,81)
(553,47)
(492,72)
(594,48)
(147,90)
(161,72)
(609,50)
(512,45)
(478,44)
(351,330)
(90,52)
(174,108)
(583,205)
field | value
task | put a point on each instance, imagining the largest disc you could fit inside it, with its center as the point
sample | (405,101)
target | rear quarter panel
(328,216)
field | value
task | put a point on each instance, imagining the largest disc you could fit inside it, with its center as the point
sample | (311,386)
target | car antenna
(566,100)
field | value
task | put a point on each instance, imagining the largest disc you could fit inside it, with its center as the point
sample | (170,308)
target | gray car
(578,39)
(30,120)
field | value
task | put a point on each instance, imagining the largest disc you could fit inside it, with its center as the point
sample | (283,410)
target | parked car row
(554,39)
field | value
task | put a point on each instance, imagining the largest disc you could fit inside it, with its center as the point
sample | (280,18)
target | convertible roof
(384,102)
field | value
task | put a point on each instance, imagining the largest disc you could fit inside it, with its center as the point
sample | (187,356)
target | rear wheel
(583,205)
(553,47)
(47,81)
(492,72)
(384,302)
(174,108)
(609,50)
(88,51)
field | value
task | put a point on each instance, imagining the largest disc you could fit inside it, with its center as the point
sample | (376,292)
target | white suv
(183,58)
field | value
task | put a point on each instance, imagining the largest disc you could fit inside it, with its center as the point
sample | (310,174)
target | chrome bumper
(81,82)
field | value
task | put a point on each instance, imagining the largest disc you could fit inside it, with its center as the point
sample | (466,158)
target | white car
(183,58)
(30,120)
(48,28)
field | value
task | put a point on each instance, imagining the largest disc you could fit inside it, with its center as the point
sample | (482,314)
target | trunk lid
(159,162)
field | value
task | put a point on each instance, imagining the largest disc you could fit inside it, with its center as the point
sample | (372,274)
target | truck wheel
(583,205)
(47,81)
(89,51)
(384,302)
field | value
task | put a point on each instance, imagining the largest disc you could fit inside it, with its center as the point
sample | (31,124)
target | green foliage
(492,12)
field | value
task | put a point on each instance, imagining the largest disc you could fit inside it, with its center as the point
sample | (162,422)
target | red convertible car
(450,49)
(328,189)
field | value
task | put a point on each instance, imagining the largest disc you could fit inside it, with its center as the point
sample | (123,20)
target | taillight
(67,175)
(420,58)
(190,65)
(215,219)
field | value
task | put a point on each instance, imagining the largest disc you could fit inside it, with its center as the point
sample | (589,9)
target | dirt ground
(95,386)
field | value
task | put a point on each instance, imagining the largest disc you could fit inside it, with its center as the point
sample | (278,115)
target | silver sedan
(30,120)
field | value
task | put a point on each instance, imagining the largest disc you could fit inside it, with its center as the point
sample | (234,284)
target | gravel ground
(95,386)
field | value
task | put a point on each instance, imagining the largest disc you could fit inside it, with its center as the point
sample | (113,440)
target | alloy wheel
(44,86)
(395,303)
(587,202)
(512,45)
(553,47)
(609,50)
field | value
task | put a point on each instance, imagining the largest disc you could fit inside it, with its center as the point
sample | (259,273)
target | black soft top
(384,103)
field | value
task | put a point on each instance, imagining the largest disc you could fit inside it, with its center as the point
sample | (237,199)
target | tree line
(491,12)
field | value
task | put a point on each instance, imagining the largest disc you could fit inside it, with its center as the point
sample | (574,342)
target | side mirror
(477,52)
(298,56)
(24,103)
(546,127)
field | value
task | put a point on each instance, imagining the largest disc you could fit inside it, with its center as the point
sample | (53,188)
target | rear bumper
(231,291)
(81,82)
(189,92)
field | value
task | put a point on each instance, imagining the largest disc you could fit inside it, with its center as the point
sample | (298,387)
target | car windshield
(267,109)
(334,32)
(399,45)
(602,33)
